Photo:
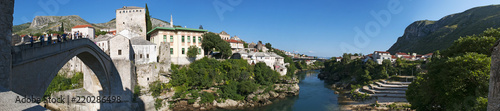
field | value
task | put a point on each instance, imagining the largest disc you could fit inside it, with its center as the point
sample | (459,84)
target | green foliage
(363,72)
(264,75)
(192,51)
(207,97)
(38,34)
(156,88)
(247,87)
(457,79)
(235,78)
(212,41)
(149,25)
(61,83)
(268,46)
(137,92)
(158,103)
(452,83)
(474,43)
(100,33)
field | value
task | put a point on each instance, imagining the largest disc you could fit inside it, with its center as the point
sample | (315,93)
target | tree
(453,83)
(459,78)
(212,41)
(268,46)
(245,44)
(62,28)
(192,51)
(149,25)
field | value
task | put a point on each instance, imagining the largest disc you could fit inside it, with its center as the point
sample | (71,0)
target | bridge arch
(35,67)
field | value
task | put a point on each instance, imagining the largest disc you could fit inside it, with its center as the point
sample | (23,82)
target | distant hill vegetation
(428,36)
(42,24)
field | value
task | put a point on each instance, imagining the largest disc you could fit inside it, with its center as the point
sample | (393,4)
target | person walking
(41,40)
(58,38)
(49,39)
(64,37)
(31,40)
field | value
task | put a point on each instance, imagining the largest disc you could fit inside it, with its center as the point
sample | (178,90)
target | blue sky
(322,28)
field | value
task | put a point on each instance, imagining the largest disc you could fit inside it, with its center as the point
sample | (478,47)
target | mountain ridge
(42,24)
(426,36)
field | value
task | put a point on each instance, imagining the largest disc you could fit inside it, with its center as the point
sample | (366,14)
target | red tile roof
(233,41)
(381,52)
(400,53)
(370,55)
(429,54)
(394,57)
(82,26)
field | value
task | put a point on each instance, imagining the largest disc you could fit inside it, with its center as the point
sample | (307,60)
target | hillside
(42,24)
(428,36)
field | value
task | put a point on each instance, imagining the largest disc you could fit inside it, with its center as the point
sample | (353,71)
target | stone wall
(5,39)
(494,88)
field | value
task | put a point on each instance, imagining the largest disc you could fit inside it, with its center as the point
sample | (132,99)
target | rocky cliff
(427,36)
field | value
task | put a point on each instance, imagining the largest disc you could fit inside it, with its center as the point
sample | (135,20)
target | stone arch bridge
(34,67)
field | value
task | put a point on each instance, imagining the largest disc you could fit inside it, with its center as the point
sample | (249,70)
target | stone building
(273,60)
(145,51)
(379,56)
(131,18)
(180,40)
(87,31)
(224,36)
(235,45)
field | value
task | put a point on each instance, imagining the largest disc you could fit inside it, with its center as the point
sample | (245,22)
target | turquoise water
(314,96)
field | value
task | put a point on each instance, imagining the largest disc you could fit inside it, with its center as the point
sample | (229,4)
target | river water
(314,96)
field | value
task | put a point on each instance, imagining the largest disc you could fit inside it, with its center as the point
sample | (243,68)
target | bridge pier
(5,41)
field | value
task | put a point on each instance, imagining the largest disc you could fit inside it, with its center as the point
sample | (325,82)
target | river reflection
(314,96)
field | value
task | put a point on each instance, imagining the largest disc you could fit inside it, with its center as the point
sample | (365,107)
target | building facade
(145,51)
(133,19)
(380,56)
(180,40)
(235,45)
(224,36)
(87,31)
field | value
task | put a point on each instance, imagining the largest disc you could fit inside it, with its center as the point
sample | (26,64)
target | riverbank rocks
(229,103)
(255,99)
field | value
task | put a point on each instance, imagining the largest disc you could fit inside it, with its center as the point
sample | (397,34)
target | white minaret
(171,21)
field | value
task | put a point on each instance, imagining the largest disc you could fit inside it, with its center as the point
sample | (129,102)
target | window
(164,38)
(171,51)
(182,50)
(119,52)
(123,22)
(189,39)
(120,11)
(171,38)
(199,39)
(182,39)
(140,56)
(194,39)
(147,55)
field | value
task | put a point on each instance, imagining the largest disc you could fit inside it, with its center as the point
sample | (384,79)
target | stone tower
(133,19)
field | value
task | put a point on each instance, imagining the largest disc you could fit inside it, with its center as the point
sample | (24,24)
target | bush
(207,97)
(158,103)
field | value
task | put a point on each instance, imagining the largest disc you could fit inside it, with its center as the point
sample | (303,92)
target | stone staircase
(385,91)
